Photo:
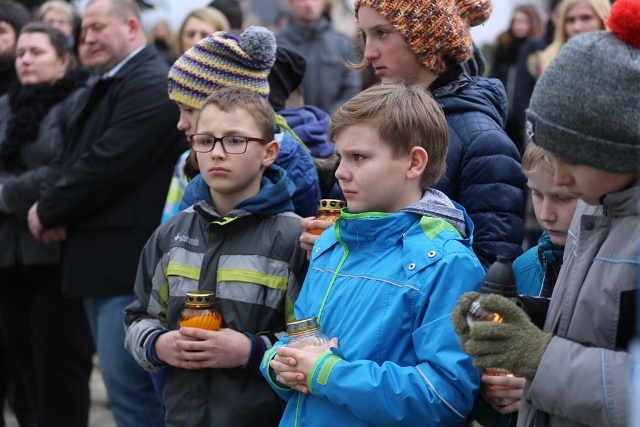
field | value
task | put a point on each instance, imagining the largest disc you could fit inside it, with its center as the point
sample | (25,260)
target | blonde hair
(536,158)
(405,116)
(602,8)
(210,15)
(57,6)
(170,39)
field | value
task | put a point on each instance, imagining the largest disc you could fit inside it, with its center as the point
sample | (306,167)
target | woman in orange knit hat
(425,42)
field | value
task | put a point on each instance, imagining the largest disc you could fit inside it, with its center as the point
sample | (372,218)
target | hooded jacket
(483,165)
(384,285)
(582,379)
(311,124)
(251,258)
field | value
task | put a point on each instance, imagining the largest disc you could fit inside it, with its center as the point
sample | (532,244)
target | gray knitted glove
(516,344)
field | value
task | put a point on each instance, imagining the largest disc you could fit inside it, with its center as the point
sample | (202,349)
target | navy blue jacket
(483,165)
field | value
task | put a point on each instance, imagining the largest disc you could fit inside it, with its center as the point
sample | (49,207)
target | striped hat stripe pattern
(205,74)
(223,60)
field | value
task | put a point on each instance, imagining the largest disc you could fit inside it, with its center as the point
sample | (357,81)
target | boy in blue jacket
(537,270)
(383,281)
(239,240)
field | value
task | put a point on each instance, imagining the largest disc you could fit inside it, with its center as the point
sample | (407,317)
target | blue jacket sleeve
(283,391)
(298,164)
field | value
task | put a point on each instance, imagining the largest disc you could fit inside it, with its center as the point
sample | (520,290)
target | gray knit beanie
(586,105)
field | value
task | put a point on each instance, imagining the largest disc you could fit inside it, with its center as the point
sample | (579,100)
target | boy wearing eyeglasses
(239,240)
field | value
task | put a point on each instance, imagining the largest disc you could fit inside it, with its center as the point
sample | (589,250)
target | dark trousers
(47,336)
(4,384)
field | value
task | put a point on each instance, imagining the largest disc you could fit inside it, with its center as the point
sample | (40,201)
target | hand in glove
(515,344)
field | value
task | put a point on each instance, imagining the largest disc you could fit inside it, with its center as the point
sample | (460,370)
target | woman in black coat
(46,334)
(525,24)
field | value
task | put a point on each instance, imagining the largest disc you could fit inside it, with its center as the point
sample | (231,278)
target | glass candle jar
(306,335)
(499,280)
(200,311)
(479,314)
(328,210)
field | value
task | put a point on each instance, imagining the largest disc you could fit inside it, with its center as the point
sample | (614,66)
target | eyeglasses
(230,144)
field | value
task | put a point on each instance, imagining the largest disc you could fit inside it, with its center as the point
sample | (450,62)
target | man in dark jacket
(120,148)
(328,83)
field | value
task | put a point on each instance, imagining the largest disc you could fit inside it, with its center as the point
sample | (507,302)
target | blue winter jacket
(297,162)
(483,165)
(385,285)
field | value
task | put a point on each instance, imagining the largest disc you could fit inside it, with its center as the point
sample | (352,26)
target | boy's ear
(271,152)
(419,160)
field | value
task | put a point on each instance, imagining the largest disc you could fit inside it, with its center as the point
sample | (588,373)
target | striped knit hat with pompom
(223,59)
(437,31)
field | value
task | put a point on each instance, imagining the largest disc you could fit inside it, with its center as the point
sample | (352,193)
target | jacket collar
(123,67)
(623,203)
(450,82)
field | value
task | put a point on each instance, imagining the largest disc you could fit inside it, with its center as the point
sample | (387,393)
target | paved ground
(100,415)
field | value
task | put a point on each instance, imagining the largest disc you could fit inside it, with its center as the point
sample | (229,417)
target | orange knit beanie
(437,31)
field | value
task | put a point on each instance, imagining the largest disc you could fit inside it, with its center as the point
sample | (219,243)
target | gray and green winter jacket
(251,258)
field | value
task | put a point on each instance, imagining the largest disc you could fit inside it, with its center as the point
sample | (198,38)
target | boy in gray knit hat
(585,111)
